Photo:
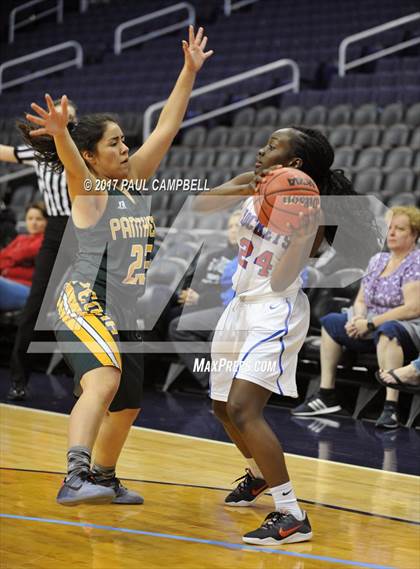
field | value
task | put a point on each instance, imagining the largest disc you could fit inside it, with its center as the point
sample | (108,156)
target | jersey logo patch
(122,205)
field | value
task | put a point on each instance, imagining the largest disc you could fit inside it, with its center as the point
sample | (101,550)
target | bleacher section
(371,116)
(263,32)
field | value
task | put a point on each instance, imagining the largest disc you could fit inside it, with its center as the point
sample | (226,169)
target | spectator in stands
(385,317)
(53,188)
(405,378)
(210,271)
(17,260)
(206,304)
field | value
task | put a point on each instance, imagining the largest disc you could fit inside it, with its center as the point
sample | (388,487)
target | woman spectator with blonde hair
(385,317)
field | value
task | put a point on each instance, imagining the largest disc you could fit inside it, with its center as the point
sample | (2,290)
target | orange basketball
(282,195)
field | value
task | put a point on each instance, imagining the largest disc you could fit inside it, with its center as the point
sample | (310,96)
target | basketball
(282,195)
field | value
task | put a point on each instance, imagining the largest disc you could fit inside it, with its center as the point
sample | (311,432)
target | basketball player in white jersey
(257,340)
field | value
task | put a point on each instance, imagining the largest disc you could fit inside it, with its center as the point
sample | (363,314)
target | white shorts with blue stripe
(259,342)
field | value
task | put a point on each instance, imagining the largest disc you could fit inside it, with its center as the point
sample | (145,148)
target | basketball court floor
(360,490)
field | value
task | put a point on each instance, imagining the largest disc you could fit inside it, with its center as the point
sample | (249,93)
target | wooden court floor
(361,517)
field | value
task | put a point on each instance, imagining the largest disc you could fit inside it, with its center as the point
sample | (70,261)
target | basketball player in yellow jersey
(110,382)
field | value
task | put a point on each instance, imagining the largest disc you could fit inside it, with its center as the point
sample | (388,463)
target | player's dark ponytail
(86,133)
(359,232)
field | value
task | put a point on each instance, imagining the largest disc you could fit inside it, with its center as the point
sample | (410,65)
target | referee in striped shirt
(53,188)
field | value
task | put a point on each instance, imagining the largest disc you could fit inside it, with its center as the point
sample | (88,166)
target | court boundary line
(221,489)
(192,437)
(225,544)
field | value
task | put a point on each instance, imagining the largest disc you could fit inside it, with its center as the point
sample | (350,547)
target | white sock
(285,500)
(254,468)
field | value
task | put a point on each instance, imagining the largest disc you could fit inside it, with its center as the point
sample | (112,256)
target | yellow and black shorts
(84,321)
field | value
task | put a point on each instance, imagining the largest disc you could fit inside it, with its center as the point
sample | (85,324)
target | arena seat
(391,114)
(218,177)
(340,114)
(368,181)
(415,139)
(228,158)
(266,116)
(412,117)
(396,135)
(368,135)
(249,158)
(195,136)
(217,136)
(398,181)
(203,158)
(245,117)
(341,136)
(399,157)
(290,116)
(416,164)
(315,115)
(260,136)
(406,198)
(371,157)
(365,114)
(179,157)
(240,136)
(344,157)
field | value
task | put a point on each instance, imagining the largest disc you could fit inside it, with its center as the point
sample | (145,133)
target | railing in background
(293,85)
(344,65)
(22,173)
(76,61)
(33,17)
(229,6)
(119,45)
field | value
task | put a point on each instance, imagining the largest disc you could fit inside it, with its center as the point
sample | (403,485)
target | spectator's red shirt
(17,260)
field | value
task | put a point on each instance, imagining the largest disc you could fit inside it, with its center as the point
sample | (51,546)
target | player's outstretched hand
(51,121)
(194,52)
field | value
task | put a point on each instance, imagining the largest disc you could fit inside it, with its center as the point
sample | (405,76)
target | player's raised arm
(144,162)
(227,194)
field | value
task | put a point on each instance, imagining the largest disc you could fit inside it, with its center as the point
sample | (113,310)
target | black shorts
(84,320)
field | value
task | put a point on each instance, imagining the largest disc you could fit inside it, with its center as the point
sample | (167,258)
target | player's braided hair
(358,229)
(86,133)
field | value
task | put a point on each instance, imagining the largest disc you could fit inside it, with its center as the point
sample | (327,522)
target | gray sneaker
(122,494)
(81,489)
(389,418)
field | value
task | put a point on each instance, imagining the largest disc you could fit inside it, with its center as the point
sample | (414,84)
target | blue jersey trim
(289,304)
(282,332)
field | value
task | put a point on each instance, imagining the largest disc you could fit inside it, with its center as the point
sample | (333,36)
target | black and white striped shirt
(53,186)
